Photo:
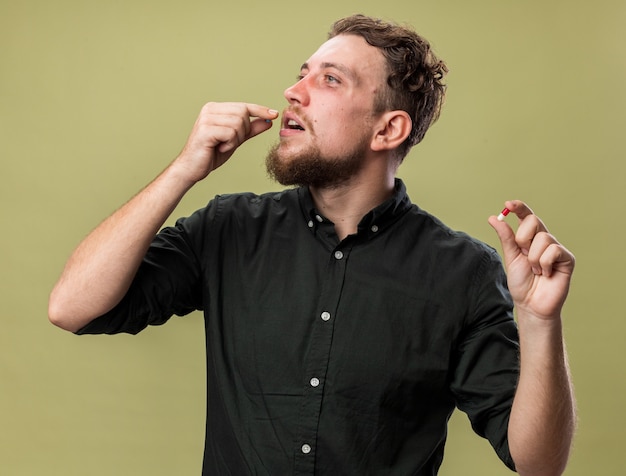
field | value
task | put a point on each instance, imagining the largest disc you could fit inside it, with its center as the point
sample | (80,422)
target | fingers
(532,239)
(230,124)
(519,208)
(261,116)
(219,129)
(529,226)
(543,253)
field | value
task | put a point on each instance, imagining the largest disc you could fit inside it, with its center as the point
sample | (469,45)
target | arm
(101,269)
(539,270)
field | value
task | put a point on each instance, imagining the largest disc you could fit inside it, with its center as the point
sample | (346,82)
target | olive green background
(96,97)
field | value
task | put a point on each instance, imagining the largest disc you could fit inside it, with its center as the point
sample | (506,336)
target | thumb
(510,249)
(257,126)
(262,121)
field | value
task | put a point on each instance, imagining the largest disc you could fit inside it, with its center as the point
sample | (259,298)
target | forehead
(352,53)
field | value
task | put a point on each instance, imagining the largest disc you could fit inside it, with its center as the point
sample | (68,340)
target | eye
(331,79)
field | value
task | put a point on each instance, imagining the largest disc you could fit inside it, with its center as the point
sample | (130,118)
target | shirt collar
(375,221)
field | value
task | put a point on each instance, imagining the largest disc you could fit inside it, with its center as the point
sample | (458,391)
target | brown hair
(415,81)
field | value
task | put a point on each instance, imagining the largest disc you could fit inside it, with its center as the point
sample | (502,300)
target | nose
(298,92)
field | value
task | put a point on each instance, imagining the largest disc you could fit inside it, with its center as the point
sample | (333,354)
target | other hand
(539,268)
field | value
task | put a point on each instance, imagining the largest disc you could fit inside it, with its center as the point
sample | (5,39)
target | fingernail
(273,111)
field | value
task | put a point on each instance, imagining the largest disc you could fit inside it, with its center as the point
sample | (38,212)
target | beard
(309,167)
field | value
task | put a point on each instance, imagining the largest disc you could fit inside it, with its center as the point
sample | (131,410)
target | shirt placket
(314,379)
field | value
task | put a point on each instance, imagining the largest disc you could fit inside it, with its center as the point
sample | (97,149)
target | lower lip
(290,132)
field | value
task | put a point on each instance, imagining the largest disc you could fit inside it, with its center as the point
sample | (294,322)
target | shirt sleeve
(167,283)
(487,369)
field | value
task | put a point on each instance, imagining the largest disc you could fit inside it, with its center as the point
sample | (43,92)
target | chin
(288,152)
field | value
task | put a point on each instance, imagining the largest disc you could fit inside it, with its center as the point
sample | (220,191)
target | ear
(392,130)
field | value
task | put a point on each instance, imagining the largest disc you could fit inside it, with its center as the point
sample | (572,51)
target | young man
(343,323)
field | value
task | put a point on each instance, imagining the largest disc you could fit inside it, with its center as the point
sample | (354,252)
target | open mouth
(291,124)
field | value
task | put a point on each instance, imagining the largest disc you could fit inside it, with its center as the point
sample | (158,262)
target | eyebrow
(339,67)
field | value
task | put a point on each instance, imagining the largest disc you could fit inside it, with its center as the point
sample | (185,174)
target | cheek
(340,127)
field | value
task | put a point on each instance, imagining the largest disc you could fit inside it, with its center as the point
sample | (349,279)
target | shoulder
(248,202)
(250,208)
(454,255)
(240,210)
(430,231)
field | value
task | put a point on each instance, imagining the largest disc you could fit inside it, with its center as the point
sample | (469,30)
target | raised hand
(219,129)
(539,268)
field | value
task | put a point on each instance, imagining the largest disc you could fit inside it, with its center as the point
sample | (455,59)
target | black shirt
(328,357)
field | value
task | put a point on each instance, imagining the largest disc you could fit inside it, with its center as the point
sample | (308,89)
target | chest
(358,318)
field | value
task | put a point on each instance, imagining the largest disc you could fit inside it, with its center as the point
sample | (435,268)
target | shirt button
(338,255)
(325,316)
(374,228)
(319,218)
(315,382)
(310,223)
(306,449)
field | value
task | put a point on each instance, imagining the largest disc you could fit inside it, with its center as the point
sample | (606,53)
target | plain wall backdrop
(97,97)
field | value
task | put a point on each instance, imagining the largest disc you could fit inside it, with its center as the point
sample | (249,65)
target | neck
(345,205)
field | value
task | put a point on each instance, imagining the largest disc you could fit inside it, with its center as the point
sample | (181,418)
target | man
(343,323)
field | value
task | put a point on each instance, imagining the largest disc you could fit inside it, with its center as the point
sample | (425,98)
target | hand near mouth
(218,131)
